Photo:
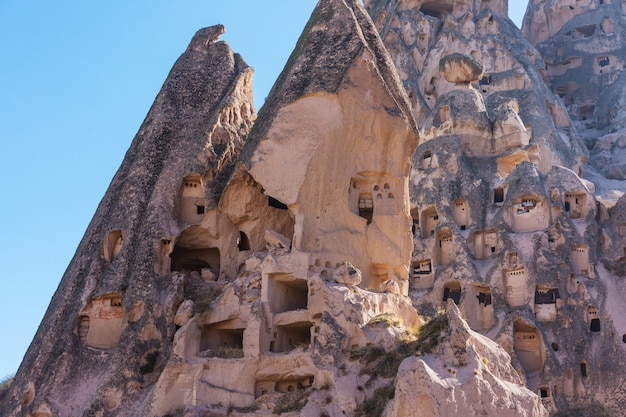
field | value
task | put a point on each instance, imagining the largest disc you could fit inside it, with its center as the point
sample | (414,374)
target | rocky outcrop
(410,158)
(109,326)
(469,375)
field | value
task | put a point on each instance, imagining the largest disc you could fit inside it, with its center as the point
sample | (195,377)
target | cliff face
(411,158)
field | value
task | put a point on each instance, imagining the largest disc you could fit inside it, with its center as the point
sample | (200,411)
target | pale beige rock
(459,68)
(471,375)
(276,240)
(347,274)
(184,313)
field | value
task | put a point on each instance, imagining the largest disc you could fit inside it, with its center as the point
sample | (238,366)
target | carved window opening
(444,252)
(594,320)
(206,261)
(461,213)
(426,160)
(430,218)
(101,321)
(580,259)
(366,207)
(515,281)
(587,30)
(291,336)
(437,9)
(287,293)
(544,392)
(113,245)
(527,346)
(243,243)
(222,339)
(452,290)
(583,369)
(498,195)
(192,202)
(422,274)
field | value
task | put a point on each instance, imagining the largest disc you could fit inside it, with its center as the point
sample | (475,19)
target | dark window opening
(624,338)
(604,61)
(188,260)
(547,296)
(544,392)
(484,298)
(595,325)
(555,346)
(436,9)
(272,202)
(586,31)
(583,369)
(243,243)
(567,206)
(454,293)
(199,209)
(498,195)
(486,80)
(366,207)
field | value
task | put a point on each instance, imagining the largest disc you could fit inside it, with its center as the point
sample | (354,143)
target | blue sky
(77,78)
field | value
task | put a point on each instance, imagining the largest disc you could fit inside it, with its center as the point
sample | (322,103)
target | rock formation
(412,158)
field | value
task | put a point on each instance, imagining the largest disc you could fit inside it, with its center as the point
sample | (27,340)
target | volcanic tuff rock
(412,157)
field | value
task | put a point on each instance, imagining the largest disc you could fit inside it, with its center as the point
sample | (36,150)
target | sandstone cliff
(405,229)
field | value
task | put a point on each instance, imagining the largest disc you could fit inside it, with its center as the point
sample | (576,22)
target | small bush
(5,386)
(367,354)
(225,352)
(177,412)
(618,268)
(389,319)
(594,410)
(249,409)
(379,363)
(292,401)
(375,405)
(203,304)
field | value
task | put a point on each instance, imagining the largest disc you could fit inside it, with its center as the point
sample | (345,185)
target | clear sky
(76,80)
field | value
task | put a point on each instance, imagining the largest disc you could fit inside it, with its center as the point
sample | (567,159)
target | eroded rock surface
(412,157)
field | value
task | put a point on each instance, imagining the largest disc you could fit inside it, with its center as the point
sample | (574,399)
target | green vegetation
(249,409)
(379,363)
(594,410)
(390,319)
(292,401)
(375,405)
(177,412)
(618,268)
(203,304)
(225,352)
(5,385)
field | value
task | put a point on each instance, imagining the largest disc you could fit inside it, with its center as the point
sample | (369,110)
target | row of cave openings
(482,244)
(440,9)
(526,213)
(192,200)
(191,209)
(528,346)
(369,197)
(288,300)
(547,300)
